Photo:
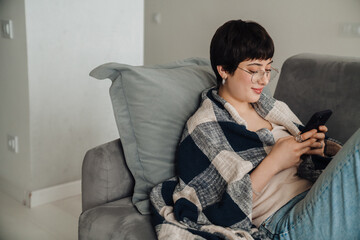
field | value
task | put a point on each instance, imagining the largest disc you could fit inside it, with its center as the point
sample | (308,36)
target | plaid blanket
(211,196)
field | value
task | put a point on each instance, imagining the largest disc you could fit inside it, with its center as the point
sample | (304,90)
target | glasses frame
(265,73)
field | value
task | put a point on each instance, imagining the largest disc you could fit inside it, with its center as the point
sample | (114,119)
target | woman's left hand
(317,148)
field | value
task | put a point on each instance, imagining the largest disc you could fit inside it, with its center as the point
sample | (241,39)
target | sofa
(151,105)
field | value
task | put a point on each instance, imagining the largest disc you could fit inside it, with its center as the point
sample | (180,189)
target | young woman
(244,169)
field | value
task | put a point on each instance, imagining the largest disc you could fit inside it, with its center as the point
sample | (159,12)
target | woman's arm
(262,175)
(286,153)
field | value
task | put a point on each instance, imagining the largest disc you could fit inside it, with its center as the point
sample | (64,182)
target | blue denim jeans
(330,209)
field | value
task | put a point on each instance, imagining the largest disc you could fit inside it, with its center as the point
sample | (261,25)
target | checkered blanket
(211,196)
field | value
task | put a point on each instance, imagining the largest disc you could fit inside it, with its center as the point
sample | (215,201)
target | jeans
(330,209)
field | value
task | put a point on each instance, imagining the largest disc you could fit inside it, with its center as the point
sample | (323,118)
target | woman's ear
(221,71)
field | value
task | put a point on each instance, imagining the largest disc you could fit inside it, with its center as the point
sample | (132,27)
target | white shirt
(281,188)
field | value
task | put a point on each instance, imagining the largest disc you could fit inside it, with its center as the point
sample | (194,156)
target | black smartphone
(318,119)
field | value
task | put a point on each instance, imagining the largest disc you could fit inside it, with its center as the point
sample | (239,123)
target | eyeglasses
(260,74)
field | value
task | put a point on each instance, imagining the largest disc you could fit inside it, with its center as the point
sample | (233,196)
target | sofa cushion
(115,220)
(151,105)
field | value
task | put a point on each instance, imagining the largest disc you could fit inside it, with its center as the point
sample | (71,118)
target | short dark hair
(236,41)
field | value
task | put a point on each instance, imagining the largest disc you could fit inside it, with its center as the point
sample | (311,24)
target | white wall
(63,111)
(187,26)
(69,111)
(14,102)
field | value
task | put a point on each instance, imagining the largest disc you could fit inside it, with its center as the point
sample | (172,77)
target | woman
(244,170)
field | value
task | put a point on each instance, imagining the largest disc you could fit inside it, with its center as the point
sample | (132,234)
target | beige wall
(70,112)
(187,26)
(14,102)
(47,98)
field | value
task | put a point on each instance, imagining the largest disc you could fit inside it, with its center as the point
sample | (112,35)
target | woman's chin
(254,99)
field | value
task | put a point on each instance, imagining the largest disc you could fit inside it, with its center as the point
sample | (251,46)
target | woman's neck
(242,107)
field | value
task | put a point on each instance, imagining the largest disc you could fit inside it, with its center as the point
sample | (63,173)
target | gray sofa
(307,83)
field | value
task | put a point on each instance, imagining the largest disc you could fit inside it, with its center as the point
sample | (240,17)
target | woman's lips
(257,90)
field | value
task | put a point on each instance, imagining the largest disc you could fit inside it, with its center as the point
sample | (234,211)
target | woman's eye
(268,70)
(253,71)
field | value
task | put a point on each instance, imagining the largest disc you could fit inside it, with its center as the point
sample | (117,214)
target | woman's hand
(287,151)
(318,147)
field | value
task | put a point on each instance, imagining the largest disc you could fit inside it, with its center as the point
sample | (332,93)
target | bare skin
(240,92)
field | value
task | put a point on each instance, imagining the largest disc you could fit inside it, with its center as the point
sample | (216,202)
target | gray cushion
(312,82)
(116,220)
(151,106)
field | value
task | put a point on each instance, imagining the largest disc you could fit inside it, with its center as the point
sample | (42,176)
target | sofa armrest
(105,176)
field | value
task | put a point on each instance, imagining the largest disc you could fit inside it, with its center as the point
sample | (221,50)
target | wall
(47,98)
(187,27)
(71,112)
(14,102)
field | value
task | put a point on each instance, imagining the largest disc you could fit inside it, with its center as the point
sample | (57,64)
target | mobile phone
(318,119)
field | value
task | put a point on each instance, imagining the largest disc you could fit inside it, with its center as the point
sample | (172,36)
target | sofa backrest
(312,82)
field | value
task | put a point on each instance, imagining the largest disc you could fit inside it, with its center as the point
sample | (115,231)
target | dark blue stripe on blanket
(224,213)
(211,97)
(167,191)
(239,137)
(191,160)
(156,218)
(185,209)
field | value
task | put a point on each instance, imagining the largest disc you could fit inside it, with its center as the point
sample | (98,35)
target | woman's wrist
(270,166)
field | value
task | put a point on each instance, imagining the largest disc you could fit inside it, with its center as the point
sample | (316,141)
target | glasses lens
(260,75)
(269,75)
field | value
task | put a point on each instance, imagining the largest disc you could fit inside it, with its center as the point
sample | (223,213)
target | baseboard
(54,193)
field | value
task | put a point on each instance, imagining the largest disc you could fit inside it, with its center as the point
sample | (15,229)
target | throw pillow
(151,105)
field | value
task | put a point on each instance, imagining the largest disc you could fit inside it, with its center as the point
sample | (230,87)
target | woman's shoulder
(283,108)
(204,114)
(267,99)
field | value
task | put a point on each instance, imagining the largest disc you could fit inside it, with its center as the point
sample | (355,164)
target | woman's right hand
(287,151)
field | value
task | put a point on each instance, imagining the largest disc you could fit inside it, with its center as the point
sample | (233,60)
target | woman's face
(238,87)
